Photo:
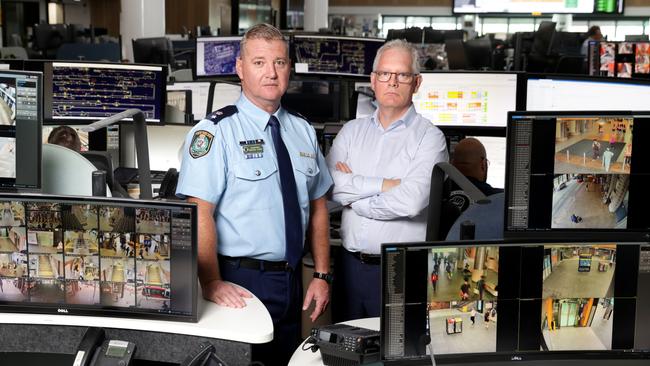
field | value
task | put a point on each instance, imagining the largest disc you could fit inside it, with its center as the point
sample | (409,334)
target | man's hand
(389,184)
(343,167)
(319,291)
(226,294)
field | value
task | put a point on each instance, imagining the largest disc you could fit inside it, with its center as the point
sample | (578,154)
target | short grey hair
(263,31)
(402,45)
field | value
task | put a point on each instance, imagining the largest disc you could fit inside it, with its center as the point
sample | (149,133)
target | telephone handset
(95,350)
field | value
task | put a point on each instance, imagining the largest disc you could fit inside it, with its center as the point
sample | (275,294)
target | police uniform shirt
(230,161)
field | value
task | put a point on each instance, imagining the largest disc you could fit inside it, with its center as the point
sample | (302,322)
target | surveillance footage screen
(619,59)
(575,172)
(21,119)
(479,302)
(334,55)
(539,6)
(216,56)
(91,256)
(467,99)
(93,91)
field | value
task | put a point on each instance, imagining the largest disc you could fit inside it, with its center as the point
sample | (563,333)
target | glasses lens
(404,78)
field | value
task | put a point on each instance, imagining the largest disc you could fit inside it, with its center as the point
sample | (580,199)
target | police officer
(259,180)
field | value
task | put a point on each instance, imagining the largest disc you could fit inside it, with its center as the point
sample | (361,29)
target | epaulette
(297,114)
(222,113)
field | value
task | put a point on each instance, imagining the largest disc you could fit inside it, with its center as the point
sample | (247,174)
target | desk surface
(251,324)
(309,358)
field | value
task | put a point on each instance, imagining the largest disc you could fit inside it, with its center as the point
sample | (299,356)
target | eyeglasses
(402,77)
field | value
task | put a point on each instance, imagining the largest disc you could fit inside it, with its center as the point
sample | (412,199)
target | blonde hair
(263,31)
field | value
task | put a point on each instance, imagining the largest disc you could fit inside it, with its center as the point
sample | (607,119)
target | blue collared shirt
(245,186)
(408,150)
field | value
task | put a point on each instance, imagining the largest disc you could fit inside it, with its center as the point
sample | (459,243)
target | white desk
(237,327)
(309,358)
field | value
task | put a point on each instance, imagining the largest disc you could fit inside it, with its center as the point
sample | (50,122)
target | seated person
(65,136)
(470,159)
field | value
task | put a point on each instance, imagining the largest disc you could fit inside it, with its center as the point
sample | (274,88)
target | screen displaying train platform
(93,91)
(97,256)
(334,55)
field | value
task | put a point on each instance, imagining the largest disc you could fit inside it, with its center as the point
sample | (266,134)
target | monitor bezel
(502,356)
(48,70)
(100,310)
(538,13)
(568,234)
(195,66)
(492,130)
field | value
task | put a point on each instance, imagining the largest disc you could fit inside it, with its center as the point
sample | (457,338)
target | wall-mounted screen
(539,6)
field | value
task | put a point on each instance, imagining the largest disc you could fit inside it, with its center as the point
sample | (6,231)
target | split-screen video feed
(462,299)
(578,290)
(85,254)
(7,157)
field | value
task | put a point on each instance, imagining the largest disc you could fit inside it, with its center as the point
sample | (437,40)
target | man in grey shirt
(381,166)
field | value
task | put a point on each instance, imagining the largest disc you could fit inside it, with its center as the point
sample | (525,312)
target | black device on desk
(95,350)
(346,345)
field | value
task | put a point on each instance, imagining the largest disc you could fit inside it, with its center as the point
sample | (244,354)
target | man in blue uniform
(259,180)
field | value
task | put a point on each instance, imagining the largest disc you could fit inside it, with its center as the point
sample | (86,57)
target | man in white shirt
(381,165)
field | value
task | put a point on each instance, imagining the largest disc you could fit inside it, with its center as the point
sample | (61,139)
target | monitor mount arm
(435,194)
(141,145)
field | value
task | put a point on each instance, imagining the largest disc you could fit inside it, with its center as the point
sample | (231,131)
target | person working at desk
(593,34)
(259,179)
(381,165)
(65,136)
(470,158)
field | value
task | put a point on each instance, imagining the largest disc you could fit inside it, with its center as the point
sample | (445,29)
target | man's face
(264,71)
(392,93)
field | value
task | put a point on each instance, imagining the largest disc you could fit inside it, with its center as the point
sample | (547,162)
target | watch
(327,277)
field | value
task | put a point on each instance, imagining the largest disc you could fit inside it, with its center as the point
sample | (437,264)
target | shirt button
(258,173)
(310,170)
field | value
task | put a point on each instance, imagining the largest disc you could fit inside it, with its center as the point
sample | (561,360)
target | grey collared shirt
(408,150)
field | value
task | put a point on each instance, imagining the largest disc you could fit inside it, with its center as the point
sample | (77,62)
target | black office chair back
(102,161)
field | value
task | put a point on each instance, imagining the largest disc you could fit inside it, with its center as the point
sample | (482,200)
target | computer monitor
(581,93)
(180,99)
(537,6)
(317,100)
(48,37)
(495,149)
(503,301)
(619,59)
(345,56)
(573,173)
(156,50)
(104,139)
(92,256)
(216,56)
(468,99)
(21,118)
(223,94)
(200,96)
(87,92)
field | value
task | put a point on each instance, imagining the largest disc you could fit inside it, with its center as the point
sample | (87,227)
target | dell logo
(65,311)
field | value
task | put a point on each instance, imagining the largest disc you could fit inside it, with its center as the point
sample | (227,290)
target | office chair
(102,161)
(66,172)
(456,56)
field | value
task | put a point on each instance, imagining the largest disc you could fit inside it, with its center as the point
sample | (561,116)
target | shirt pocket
(256,184)
(306,172)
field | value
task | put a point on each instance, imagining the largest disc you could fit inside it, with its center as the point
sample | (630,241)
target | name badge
(252,149)
(308,155)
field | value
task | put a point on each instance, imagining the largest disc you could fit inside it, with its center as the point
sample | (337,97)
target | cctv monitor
(345,56)
(200,91)
(21,118)
(580,93)
(469,99)
(156,50)
(86,92)
(537,6)
(99,257)
(573,173)
(619,59)
(475,302)
(216,56)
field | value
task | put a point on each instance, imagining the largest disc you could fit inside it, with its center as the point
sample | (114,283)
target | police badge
(201,143)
